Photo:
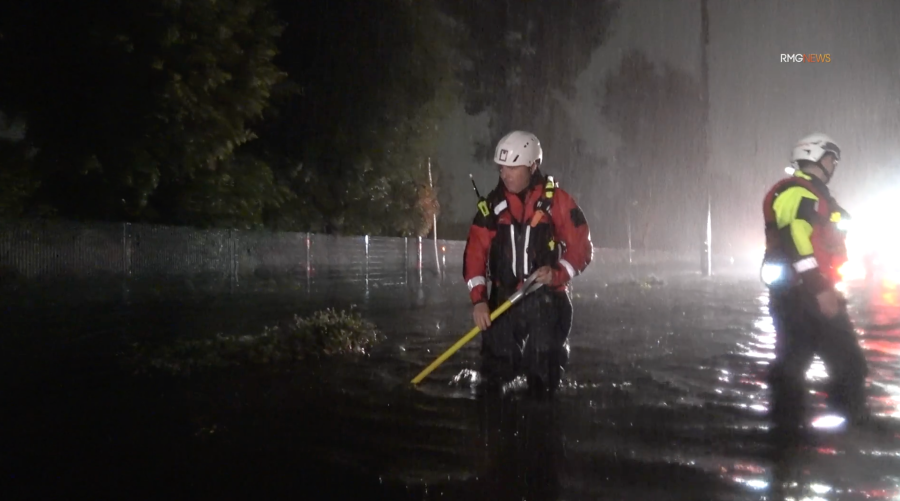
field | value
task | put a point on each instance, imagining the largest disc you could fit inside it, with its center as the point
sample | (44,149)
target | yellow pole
(459,344)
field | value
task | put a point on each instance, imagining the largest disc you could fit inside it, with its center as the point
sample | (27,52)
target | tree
(17,180)
(373,78)
(524,56)
(237,194)
(658,115)
(135,106)
(150,111)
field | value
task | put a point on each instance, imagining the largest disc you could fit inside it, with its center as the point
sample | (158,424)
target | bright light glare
(770,273)
(789,170)
(828,421)
(869,238)
(820,488)
(756,484)
(852,270)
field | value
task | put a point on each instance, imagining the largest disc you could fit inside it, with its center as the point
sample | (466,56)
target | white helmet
(518,148)
(813,147)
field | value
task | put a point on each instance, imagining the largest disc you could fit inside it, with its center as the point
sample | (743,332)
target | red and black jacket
(542,226)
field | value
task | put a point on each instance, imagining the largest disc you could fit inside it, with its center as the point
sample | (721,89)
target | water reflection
(523,448)
(666,399)
(762,343)
(666,393)
(823,463)
(837,463)
(804,472)
(880,338)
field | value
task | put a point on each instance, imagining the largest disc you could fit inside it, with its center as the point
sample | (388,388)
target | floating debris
(466,377)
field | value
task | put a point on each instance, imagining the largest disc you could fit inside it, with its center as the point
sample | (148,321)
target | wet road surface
(664,399)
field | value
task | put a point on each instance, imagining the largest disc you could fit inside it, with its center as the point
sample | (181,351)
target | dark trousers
(801,332)
(531,338)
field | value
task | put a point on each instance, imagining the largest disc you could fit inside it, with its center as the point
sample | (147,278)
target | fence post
(126,261)
(419,260)
(367,263)
(233,272)
(308,262)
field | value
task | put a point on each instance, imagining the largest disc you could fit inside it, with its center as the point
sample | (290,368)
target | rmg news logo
(806,58)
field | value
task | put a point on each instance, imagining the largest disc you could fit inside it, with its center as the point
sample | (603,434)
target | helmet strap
(824,171)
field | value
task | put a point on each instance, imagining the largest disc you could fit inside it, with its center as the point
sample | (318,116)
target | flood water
(664,399)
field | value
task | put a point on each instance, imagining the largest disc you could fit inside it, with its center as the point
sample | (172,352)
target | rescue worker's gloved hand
(544,275)
(828,303)
(551,276)
(481,314)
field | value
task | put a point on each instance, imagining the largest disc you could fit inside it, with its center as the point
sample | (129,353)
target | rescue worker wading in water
(804,250)
(527,225)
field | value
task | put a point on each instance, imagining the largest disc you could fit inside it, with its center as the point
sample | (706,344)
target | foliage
(325,333)
(17,180)
(291,115)
(238,194)
(353,142)
(130,103)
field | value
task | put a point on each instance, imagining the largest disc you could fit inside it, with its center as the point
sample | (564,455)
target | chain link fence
(132,259)
(113,261)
